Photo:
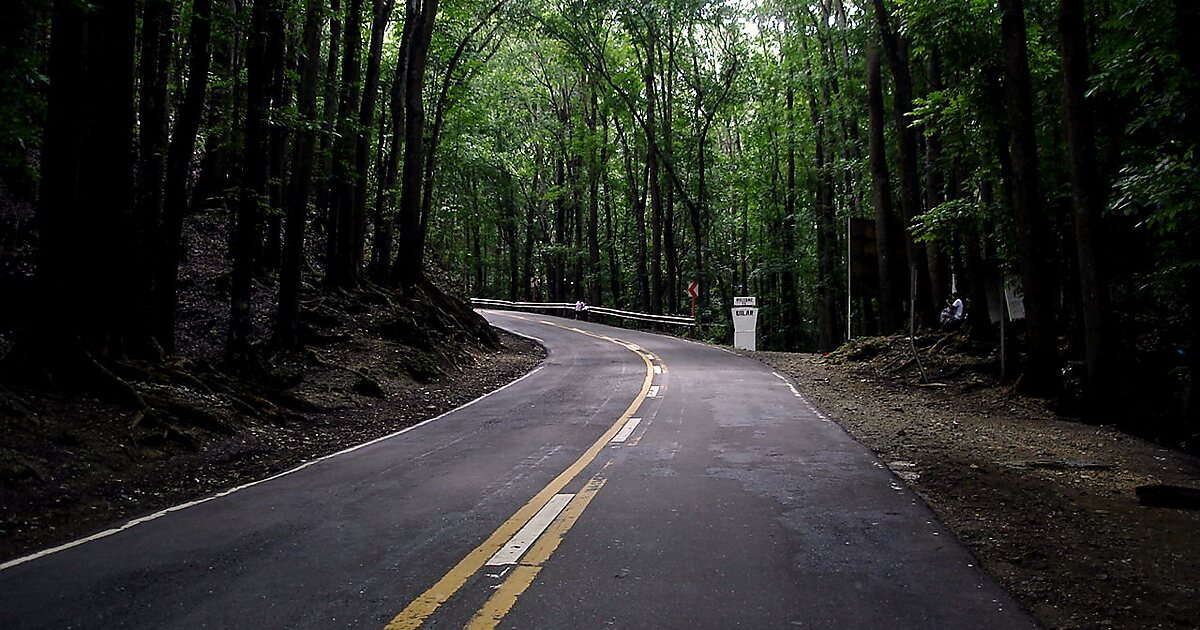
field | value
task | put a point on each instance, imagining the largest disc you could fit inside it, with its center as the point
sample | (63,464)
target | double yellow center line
(421,608)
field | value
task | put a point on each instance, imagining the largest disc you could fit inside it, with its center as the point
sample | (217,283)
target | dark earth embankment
(374,362)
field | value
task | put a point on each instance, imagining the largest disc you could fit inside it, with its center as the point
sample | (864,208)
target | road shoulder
(1048,505)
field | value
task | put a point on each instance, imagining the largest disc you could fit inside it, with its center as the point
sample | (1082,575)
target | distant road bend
(633,481)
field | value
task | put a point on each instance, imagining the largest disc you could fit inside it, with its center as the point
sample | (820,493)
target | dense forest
(614,152)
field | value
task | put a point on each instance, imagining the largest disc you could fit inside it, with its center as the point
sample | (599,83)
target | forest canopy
(615,152)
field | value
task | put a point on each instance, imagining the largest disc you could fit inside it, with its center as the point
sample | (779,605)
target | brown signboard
(863,258)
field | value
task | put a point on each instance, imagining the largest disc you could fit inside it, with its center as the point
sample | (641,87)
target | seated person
(952,316)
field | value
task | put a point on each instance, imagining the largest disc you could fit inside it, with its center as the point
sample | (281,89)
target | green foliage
(23,85)
(944,220)
(525,109)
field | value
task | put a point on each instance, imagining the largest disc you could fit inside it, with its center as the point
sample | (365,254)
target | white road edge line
(789,384)
(626,430)
(527,535)
(183,506)
(806,401)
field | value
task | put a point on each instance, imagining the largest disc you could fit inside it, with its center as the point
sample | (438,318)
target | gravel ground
(1046,504)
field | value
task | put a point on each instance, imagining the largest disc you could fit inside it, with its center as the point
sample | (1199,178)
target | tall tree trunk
(1041,369)
(152,147)
(1099,391)
(577,179)
(179,161)
(442,103)
(528,273)
(277,141)
(667,145)
(906,142)
(254,179)
(890,252)
(698,215)
(214,185)
(329,125)
(381,245)
(475,237)
(382,11)
(596,160)
(287,321)
(511,221)
(86,207)
(610,240)
(558,266)
(56,318)
(787,280)
(107,179)
(828,333)
(340,269)
(637,189)
(655,191)
(1187,24)
(935,191)
(407,270)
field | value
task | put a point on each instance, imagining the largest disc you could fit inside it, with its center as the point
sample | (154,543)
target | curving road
(632,481)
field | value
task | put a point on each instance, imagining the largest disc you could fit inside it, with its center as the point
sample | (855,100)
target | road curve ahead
(632,481)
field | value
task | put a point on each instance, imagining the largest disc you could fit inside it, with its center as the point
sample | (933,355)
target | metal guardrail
(675,320)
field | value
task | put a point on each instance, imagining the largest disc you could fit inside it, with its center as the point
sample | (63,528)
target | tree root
(365,385)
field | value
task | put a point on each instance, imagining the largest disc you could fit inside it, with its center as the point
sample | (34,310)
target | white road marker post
(745,323)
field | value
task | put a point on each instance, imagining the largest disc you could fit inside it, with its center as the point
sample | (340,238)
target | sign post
(745,322)
(694,292)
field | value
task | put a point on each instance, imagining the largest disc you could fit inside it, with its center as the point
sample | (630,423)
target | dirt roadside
(1047,505)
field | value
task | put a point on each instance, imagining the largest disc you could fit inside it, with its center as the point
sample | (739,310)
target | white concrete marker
(658,369)
(523,539)
(626,430)
(653,391)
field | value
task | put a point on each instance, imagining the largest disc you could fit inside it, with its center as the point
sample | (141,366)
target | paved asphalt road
(633,481)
